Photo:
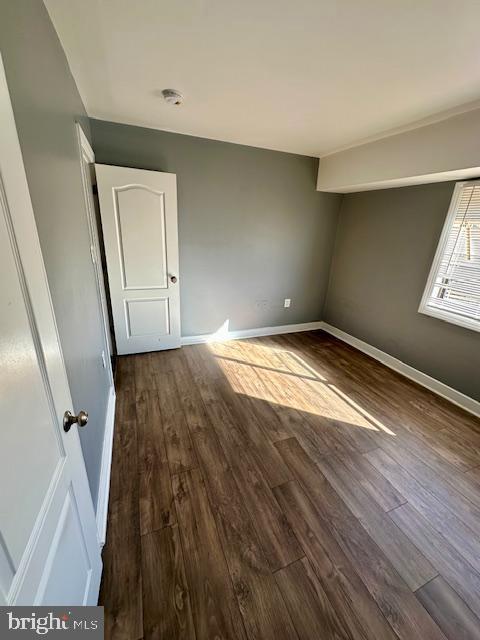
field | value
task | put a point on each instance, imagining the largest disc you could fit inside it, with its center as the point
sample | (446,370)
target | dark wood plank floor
(289,488)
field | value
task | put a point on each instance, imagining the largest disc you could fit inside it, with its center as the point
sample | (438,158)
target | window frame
(446,316)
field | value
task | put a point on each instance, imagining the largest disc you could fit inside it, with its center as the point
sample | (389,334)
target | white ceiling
(307,76)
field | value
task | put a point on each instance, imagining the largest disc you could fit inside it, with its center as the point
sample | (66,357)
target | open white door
(139,220)
(49,551)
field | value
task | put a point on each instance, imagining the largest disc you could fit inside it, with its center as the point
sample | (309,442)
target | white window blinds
(453,287)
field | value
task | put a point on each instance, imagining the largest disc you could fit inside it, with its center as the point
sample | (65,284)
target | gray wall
(252,228)
(384,249)
(46,104)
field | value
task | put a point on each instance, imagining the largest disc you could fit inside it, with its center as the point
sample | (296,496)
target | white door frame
(87,156)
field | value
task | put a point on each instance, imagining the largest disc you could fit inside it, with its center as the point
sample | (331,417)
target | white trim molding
(86,158)
(223,334)
(104,482)
(441,389)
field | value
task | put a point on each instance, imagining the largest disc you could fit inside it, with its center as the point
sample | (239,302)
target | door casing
(87,158)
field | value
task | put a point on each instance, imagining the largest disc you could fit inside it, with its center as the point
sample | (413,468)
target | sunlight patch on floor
(361,410)
(279,376)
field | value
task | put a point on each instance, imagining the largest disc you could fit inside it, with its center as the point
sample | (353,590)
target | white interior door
(49,551)
(139,220)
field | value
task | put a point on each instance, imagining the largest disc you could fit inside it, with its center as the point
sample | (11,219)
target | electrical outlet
(287,302)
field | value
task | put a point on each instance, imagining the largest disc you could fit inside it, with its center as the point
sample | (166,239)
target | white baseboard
(104,483)
(458,398)
(223,336)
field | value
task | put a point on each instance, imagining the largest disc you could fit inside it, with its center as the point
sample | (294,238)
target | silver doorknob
(173,279)
(68,419)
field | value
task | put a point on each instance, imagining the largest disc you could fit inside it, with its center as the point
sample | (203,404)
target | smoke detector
(172,97)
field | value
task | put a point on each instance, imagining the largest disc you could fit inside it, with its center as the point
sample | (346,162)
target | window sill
(451,318)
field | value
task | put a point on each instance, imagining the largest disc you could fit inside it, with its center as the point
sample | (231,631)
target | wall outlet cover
(287,303)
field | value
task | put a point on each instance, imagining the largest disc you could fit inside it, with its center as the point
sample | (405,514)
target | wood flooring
(289,488)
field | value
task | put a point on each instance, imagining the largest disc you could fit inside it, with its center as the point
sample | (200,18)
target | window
(453,287)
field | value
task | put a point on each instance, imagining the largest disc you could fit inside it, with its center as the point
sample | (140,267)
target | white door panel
(41,466)
(68,554)
(139,220)
(28,439)
(148,317)
(141,232)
